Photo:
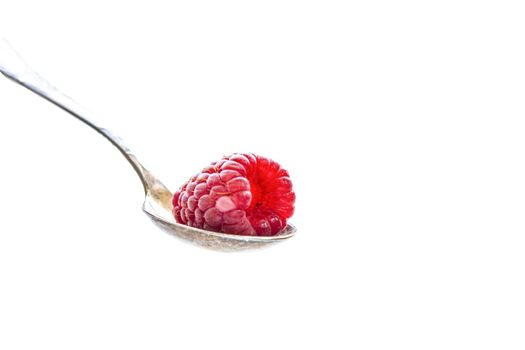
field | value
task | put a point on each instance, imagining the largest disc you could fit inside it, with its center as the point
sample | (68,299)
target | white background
(401,123)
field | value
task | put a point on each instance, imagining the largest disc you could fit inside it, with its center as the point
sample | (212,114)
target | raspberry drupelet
(243,194)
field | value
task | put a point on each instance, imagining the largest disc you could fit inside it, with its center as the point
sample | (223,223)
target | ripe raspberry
(242,194)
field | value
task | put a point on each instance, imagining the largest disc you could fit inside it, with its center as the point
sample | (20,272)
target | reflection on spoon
(157,204)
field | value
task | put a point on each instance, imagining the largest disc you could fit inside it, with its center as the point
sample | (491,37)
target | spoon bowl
(157,204)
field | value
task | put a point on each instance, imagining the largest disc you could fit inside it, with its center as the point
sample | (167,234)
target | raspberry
(242,194)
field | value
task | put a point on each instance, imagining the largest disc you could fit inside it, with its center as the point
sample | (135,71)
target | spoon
(157,203)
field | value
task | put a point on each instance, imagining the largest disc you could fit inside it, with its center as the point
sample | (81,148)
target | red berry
(241,194)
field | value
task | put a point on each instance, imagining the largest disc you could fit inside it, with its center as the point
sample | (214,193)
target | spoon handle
(15,68)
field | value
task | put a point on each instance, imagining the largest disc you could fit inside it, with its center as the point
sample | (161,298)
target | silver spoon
(157,203)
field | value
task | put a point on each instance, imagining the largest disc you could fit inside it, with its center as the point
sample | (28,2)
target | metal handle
(15,68)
